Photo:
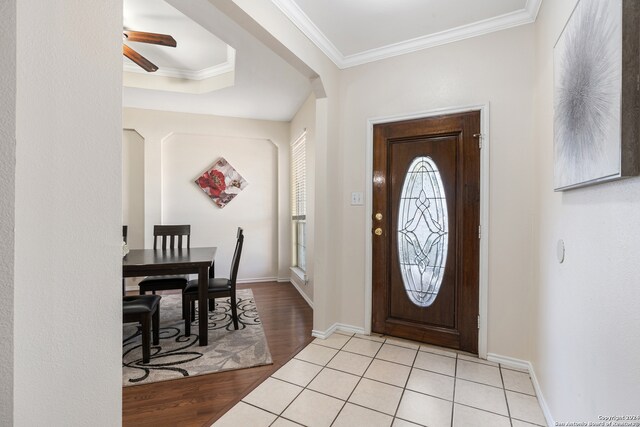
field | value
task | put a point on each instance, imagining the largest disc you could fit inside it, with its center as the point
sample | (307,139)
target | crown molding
(300,19)
(524,16)
(179,73)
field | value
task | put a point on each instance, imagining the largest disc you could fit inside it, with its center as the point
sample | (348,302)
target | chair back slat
(235,263)
(171,232)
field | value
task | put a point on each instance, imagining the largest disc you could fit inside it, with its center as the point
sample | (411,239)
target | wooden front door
(426,217)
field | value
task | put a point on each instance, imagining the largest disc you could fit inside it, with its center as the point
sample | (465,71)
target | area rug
(178,356)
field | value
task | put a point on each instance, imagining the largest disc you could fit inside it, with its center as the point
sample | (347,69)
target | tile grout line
(481,410)
(505,395)
(264,409)
(455,380)
(314,377)
(358,383)
(395,414)
(528,422)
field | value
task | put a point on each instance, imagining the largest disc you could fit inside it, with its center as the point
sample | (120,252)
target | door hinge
(478,321)
(479,232)
(480,137)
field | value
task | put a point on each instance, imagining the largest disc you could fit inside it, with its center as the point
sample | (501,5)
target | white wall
(496,69)
(285,38)
(585,324)
(255,209)
(305,119)
(133,187)
(167,129)
(68,211)
(7,195)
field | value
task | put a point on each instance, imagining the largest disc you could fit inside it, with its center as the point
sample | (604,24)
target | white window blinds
(298,178)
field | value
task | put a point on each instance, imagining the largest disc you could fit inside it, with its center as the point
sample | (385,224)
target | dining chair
(170,237)
(125,230)
(143,309)
(218,288)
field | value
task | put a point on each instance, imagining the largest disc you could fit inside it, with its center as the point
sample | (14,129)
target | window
(423,232)
(299,201)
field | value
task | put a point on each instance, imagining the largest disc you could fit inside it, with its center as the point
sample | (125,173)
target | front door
(426,217)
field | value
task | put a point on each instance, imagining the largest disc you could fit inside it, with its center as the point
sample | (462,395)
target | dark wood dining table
(158,262)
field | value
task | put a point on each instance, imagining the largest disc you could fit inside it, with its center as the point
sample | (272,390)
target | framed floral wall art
(221,182)
(596,94)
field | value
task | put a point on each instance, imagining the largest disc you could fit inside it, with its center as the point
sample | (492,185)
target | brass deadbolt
(379,216)
(378,231)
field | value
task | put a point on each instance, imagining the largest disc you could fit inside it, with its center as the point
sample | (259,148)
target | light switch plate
(357,198)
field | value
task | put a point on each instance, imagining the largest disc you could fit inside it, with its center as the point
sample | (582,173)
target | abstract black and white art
(587,95)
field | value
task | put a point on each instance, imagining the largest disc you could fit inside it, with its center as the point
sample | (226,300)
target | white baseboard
(299,289)
(337,327)
(511,362)
(257,280)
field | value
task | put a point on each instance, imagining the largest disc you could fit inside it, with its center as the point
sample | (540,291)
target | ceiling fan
(142,37)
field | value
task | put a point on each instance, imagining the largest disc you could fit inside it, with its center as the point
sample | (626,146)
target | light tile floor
(357,380)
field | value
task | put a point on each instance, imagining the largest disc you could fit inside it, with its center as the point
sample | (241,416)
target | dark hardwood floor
(198,401)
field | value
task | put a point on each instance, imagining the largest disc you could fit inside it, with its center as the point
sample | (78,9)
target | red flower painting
(221,182)
(212,182)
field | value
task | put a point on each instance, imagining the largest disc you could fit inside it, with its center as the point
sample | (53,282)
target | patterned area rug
(178,356)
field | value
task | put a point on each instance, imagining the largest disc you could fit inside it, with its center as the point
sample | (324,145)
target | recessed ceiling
(262,85)
(354,32)
(197,49)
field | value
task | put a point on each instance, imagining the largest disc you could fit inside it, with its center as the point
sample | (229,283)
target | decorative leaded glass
(422,231)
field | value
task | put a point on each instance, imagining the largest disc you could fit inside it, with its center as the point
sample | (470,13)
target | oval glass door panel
(423,235)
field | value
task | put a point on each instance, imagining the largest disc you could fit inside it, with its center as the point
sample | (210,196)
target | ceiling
(256,82)
(198,50)
(355,32)
(220,68)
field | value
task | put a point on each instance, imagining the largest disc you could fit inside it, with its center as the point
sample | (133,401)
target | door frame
(484,211)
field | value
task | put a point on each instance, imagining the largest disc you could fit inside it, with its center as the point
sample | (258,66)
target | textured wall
(7,195)
(585,322)
(68,311)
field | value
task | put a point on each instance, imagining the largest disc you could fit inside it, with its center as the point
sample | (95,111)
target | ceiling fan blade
(143,62)
(153,38)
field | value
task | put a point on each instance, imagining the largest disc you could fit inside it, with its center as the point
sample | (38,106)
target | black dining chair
(169,237)
(143,309)
(218,288)
(125,230)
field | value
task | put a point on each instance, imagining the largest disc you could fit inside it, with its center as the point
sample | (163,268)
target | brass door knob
(378,231)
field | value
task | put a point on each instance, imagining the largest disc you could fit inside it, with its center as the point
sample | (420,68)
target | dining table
(161,262)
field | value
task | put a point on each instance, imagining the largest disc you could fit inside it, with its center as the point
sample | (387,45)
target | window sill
(300,274)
